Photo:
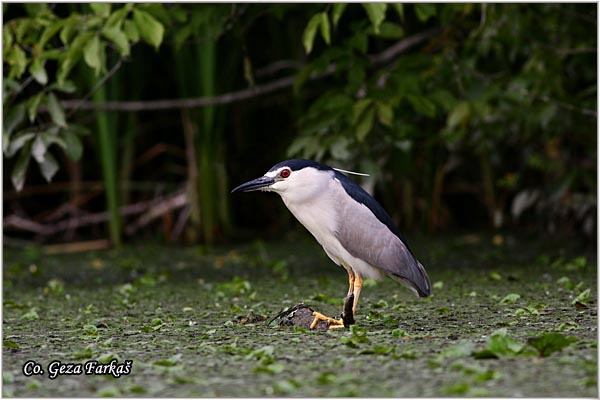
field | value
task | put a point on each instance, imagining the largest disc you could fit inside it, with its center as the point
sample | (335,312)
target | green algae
(191,322)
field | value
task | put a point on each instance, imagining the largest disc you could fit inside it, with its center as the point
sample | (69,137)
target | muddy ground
(509,316)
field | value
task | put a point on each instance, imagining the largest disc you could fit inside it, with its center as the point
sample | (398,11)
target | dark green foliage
(463,114)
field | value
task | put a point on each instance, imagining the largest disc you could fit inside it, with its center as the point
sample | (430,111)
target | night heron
(353,228)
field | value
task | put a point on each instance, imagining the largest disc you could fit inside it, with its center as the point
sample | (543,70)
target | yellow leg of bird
(358,282)
(332,323)
(351,277)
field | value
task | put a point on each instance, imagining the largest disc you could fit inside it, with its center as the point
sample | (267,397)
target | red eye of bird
(285,173)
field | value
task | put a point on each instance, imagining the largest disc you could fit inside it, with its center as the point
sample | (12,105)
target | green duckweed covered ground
(513,319)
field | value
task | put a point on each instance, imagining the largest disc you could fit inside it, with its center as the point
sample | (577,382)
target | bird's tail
(418,283)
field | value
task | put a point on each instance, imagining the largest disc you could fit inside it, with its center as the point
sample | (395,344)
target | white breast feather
(319,215)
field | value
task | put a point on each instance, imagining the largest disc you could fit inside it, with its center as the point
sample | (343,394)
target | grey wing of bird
(366,237)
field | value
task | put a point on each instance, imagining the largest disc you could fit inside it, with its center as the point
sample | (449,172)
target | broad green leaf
(359,108)
(13,117)
(308,37)
(117,36)
(365,124)
(18,141)
(400,10)
(20,168)
(17,59)
(101,8)
(36,9)
(422,105)
(582,297)
(79,129)
(68,29)
(24,26)
(149,28)
(33,104)
(92,55)
(50,31)
(65,87)
(36,69)
(38,149)
(325,28)
(376,13)
(48,167)
(459,116)
(74,147)
(51,137)
(116,18)
(549,343)
(7,37)
(9,344)
(338,10)
(55,109)
(131,31)
(73,55)
(510,298)
(359,42)
(425,11)
(390,30)
(385,113)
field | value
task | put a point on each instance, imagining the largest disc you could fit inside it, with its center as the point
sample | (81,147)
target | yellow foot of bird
(331,322)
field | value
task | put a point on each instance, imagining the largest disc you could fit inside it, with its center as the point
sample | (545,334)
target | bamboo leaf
(74,148)
(338,10)
(18,171)
(33,104)
(92,56)
(36,69)
(376,13)
(56,111)
(325,28)
(48,167)
(308,37)
(149,28)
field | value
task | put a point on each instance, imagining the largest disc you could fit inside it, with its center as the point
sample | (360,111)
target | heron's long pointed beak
(255,184)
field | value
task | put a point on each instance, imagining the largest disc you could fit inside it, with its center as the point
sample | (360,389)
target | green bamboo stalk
(206,55)
(109,170)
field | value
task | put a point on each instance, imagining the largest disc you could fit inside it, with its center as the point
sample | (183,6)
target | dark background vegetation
(467,116)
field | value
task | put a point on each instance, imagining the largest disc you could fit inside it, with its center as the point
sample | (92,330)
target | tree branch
(232,97)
